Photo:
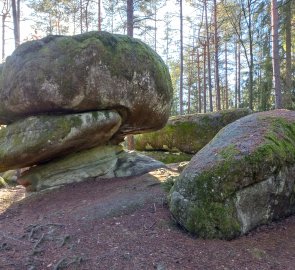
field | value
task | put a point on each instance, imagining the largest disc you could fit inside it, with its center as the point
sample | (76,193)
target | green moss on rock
(258,150)
(188,133)
(88,72)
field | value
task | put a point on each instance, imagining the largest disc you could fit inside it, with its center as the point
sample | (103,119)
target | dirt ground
(123,224)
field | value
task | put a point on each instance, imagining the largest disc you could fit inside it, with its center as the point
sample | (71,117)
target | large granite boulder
(87,72)
(243,178)
(188,133)
(37,139)
(68,101)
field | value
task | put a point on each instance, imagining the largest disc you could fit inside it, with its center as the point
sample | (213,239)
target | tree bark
(288,35)
(181,62)
(5,13)
(216,52)
(239,75)
(226,78)
(130,15)
(251,67)
(15,4)
(236,74)
(155,25)
(3,36)
(204,79)
(81,16)
(199,83)
(275,54)
(208,58)
(99,14)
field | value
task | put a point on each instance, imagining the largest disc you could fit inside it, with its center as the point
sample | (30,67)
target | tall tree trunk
(216,52)
(236,74)
(208,57)
(86,15)
(239,75)
(226,77)
(81,16)
(155,25)
(204,79)
(251,67)
(275,54)
(99,14)
(130,14)
(181,61)
(199,83)
(3,36)
(5,13)
(15,4)
(288,34)
(190,83)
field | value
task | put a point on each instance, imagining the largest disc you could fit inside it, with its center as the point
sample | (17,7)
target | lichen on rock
(243,178)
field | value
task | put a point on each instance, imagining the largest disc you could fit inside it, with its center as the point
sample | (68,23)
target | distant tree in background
(275,54)
(220,53)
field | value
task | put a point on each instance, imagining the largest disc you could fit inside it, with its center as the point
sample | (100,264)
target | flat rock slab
(243,178)
(102,161)
(38,139)
(87,72)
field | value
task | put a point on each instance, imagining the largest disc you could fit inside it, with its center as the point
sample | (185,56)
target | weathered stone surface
(38,139)
(243,178)
(88,72)
(102,161)
(188,133)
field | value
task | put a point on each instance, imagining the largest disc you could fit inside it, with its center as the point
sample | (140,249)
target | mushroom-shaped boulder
(88,72)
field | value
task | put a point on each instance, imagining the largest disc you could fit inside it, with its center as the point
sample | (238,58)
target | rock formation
(68,101)
(243,178)
(188,133)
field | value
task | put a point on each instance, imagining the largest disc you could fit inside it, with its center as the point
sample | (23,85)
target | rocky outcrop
(243,178)
(67,102)
(188,133)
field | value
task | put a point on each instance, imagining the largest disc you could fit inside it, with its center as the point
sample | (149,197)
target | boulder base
(101,162)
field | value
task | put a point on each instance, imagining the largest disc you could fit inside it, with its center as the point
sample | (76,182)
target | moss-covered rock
(243,178)
(38,139)
(103,162)
(87,72)
(188,133)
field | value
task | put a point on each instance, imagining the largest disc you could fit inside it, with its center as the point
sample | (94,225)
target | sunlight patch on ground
(10,195)
(162,174)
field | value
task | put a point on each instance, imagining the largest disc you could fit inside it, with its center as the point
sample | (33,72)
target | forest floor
(124,224)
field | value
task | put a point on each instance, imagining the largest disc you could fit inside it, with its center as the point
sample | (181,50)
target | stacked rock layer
(68,101)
